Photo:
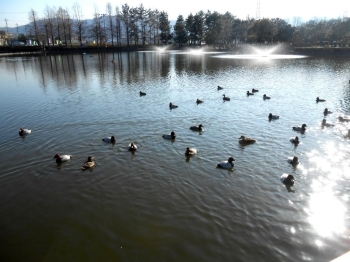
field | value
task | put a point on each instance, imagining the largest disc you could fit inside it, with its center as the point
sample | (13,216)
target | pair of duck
(89,164)
(190,151)
(112,140)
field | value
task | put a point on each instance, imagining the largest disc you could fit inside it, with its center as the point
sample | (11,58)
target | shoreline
(241,49)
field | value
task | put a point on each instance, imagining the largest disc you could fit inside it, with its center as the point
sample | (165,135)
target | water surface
(156,204)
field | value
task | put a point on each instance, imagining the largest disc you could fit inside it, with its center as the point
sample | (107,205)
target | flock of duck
(286,179)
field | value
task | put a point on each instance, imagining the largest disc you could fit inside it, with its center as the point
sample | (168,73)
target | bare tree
(118,19)
(110,21)
(33,17)
(79,21)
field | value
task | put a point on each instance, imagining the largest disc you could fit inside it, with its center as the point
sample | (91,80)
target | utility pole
(7,29)
(258,11)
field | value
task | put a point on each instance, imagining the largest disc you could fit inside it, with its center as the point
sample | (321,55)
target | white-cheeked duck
(320,100)
(197,128)
(300,128)
(24,132)
(62,158)
(171,136)
(132,146)
(110,139)
(172,106)
(272,117)
(266,97)
(294,140)
(225,98)
(226,164)
(249,94)
(190,151)
(287,179)
(325,124)
(293,160)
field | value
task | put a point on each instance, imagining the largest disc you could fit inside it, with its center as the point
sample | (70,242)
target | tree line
(140,26)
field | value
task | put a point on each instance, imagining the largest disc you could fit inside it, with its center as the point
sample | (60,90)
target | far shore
(239,49)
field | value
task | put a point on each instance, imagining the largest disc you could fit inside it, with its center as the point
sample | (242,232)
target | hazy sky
(16,11)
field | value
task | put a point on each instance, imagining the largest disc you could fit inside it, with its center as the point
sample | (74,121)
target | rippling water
(156,204)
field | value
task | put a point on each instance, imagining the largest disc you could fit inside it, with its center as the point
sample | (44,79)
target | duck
(271,116)
(300,129)
(220,88)
(293,160)
(255,90)
(266,97)
(342,119)
(226,164)
(325,124)
(24,132)
(294,140)
(246,140)
(197,128)
(320,100)
(199,101)
(226,98)
(171,136)
(142,93)
(62,158)
(190,151)
(90,163)
(110,139)
(172,106)
(288,179)
(132,146)
(249,94)
(327,112)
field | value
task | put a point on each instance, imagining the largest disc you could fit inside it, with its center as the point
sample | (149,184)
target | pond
(157,204)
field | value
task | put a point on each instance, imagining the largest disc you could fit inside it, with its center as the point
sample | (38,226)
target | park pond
(156,204)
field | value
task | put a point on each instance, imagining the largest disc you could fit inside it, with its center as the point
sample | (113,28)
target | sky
(16,11)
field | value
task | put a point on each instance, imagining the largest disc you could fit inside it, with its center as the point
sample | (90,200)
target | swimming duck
(62,158)
(142,93)
(190,151)
(226,98)
(271,116)
(246,140)
(197,128)
(249,94)
(293,160)
(132,147)
(23,131)
(110,139)
(342,119)
(90,163)
(226,164)
(171,136)
(255,90)
(294,140)
(287,179)
(266,97)
(300,129)
(325,124)
(199,101)
(172,106)
(320,100)
(220,88)
(326,111)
